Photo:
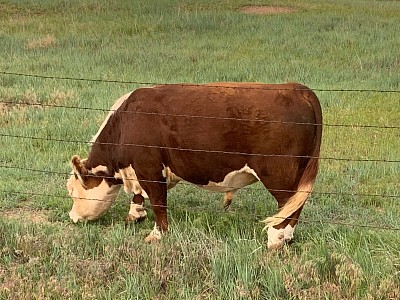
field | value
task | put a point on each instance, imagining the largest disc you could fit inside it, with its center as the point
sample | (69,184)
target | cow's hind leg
(282,233)
(137,212)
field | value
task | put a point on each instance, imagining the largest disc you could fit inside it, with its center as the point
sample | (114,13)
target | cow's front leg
(137,212)
(158,199)
(160,226)
(228,197)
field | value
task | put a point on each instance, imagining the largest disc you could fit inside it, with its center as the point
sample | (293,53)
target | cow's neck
(104,147)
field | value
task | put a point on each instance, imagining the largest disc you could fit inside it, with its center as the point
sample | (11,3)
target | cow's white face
(91,197)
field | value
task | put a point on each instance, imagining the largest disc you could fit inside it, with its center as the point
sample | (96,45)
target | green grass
(209,253)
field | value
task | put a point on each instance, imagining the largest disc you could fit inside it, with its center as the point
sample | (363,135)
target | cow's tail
(307,179)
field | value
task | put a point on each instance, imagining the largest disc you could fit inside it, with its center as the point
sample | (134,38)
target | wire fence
(69,78)
(10,104)
(64,174)
(200,150)
(257,217)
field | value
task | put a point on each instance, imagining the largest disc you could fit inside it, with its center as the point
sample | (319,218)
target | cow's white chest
(233,180)
(132,184)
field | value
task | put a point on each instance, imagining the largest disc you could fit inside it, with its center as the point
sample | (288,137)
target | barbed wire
(182,182)
(204,150)
(176,207)
(193,116)
(192,84)
(10,103)
(201,150)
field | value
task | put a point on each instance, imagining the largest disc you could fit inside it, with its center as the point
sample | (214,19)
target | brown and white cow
(220,136)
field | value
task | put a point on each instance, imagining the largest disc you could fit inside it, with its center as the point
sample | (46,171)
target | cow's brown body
(202,133)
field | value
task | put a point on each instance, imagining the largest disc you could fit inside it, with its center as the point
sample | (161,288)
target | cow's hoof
(154,236)
(227,204)
(277,238)
(276,242)
(275,246)
(137,213)
(151,239)
(134,219)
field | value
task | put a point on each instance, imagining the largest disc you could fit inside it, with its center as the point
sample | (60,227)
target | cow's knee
(137,213)
(154,236)
(278,237)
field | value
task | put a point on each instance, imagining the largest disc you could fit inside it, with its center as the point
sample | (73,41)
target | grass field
(347,246)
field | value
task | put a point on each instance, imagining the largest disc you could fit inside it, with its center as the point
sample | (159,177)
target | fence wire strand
(202,150)
(10,103)
(182,182)
(157,83)
(150,206)
(304,220)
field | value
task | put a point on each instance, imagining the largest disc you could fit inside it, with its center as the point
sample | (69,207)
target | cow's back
(203,132)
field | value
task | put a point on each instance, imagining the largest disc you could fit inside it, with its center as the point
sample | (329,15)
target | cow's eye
(76,176)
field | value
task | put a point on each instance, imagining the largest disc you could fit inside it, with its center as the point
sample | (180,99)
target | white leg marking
(289,230)
(277,237)
(154,236)
(136,213)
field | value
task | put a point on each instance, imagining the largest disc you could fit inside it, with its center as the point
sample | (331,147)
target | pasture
(347,241)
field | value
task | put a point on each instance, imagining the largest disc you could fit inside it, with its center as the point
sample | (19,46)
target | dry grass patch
(335,277)
(42,42)
(58,97)
(15,107)
(266,10)
(4,107)
(25,214)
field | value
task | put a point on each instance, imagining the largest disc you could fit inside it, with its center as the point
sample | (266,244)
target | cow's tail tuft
(306,182)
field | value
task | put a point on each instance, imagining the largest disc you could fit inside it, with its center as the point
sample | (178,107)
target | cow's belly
(233,180)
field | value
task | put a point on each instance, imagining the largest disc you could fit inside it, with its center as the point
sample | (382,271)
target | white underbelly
(233,181)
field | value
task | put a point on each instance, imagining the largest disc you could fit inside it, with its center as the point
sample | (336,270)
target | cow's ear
(78,165)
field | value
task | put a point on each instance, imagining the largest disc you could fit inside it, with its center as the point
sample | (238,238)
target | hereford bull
(220,137)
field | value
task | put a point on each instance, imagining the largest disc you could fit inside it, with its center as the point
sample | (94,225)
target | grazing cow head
(92,192)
